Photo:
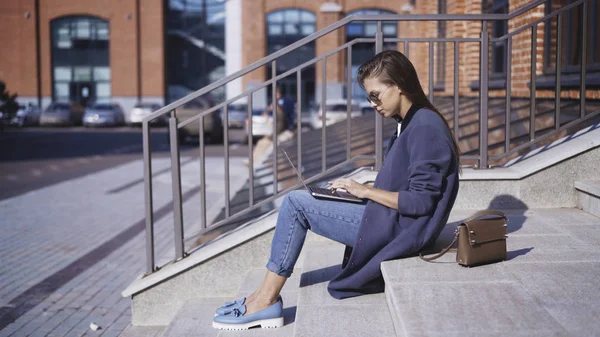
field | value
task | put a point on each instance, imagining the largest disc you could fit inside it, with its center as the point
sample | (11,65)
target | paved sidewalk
(68,250)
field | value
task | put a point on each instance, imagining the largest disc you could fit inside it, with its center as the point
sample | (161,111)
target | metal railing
(482,158)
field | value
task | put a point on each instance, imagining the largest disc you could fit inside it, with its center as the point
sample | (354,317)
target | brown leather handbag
(481,240)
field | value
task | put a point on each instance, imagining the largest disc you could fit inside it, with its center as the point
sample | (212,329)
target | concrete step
(319,314)
(142,331)
(546,287)
(194,319)
(588,196)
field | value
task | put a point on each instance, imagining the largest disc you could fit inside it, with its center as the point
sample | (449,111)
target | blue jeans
(300,212)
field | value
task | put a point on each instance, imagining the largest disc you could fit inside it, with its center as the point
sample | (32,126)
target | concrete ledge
(550,187)
(547,156)
(589,186)
(588,196)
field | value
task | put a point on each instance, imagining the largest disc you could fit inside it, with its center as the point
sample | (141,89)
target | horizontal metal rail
(482,157)
(547,135)
(538,21)
(284,191)
(275,79)
(313,37)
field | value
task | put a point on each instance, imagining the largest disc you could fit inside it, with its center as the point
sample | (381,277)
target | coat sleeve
(430,157)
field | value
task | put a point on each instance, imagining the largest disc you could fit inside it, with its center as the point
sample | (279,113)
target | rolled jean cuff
(275,268)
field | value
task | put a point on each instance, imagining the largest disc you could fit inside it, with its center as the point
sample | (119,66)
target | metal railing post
(348,102)
(226,155)
(148,198)
(250,154)
(558,71)
(274,113)
(176,185)
(299,120)
(431,69)
(202,154)
(456,89)
(378,117)
(583,59)
(532,87)
(324,115)
(483,97)
(508,93)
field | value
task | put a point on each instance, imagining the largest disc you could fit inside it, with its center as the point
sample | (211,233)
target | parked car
(262,124)
(236,115)
(141,110)
(104,114)
(366,108)
(336,111)
(62,113)
(213,125)
(27,115)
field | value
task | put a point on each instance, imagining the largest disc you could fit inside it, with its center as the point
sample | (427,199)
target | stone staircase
(547,287)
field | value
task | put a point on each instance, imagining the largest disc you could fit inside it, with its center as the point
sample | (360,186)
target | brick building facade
(133,37)
(136,45)
(254,44)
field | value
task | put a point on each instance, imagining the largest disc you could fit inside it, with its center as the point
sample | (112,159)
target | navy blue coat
(422,166)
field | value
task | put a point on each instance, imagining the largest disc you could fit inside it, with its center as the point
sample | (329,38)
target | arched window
(361,52)
(80,59)
(285,27)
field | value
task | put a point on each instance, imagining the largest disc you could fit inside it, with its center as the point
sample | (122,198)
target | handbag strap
(469,219)
(440,254)
(484,213)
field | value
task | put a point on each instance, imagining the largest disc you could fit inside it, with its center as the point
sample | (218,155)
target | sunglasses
(375,98)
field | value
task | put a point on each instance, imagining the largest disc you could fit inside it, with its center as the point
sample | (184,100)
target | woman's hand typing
(351,187)
(386,198)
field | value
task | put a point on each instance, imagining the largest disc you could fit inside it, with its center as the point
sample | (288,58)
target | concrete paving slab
(569,315)
(194,319)
(567,217)
(559,282)
(415,270)
(344,321)
(471,309)
(142,331)
(549,248)
(587,234)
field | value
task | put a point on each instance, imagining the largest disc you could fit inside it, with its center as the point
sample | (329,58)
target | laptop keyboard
(324,191)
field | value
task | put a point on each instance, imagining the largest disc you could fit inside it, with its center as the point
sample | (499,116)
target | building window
(361,52)
(285,27)
(571,30)
(194,47)
(498,28)
(440,52)
(80,59)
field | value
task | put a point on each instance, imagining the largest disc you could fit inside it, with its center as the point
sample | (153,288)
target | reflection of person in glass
(407,208)
(285,129)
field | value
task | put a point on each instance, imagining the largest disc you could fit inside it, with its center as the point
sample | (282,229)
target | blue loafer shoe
(228,306)
(270,317)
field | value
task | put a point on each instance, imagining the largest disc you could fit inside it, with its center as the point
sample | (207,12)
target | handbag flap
(486,230)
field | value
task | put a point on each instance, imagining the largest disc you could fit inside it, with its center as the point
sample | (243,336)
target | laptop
(325,193)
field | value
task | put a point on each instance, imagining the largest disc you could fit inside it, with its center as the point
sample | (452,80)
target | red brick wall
(254,47)
(18,53)
(152,53)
